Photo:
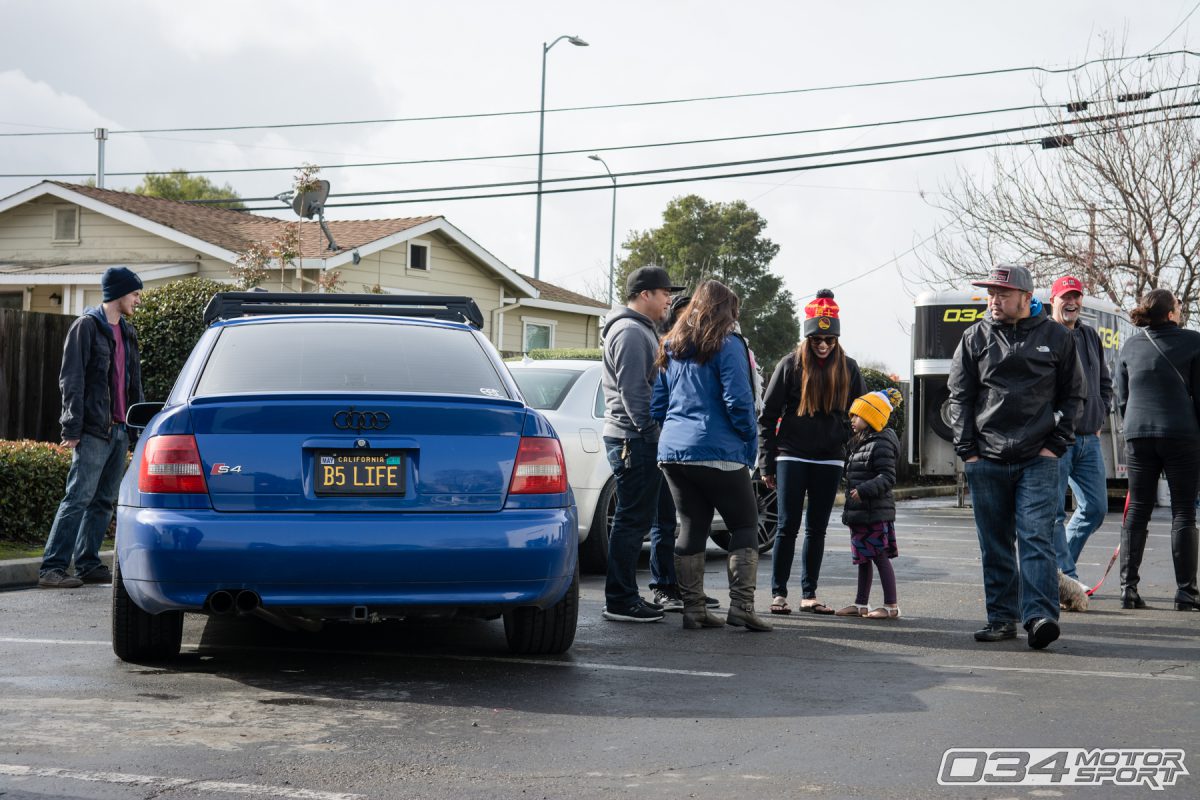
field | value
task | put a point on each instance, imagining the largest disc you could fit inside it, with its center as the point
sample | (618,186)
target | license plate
(373,472)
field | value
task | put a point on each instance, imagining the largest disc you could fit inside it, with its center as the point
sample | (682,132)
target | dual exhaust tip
(225,602)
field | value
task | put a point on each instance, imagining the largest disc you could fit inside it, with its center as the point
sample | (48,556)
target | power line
(594,149)
(642,104)
(747,162)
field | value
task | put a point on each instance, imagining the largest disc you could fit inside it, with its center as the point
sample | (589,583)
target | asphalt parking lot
(822,707)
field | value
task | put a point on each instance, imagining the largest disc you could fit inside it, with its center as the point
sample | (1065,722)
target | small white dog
(1072,595)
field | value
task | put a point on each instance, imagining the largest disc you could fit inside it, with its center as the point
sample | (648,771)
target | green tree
(179,185)
(169,322)
(700,240)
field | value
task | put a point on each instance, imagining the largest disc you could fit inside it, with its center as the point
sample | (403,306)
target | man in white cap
(101,377)
(1015,391)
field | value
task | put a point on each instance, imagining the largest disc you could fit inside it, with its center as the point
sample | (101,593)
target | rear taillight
(171,465)
(540,468)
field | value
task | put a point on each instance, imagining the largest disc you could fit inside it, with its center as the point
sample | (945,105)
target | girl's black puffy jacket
(871,468)
(816,437)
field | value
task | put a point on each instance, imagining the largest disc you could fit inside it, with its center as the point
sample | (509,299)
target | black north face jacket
(1015,389)
(871,468)
(87,375)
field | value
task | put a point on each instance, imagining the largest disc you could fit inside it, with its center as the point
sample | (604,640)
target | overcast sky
(131,65)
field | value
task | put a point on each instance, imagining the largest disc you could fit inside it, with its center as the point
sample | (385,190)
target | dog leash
(1116,552)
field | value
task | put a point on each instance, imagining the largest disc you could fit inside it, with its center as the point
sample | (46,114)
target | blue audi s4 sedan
(344,458)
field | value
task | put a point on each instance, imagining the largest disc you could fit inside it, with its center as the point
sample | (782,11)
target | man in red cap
(1082,466)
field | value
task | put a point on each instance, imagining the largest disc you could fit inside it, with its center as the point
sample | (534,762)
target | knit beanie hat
(821,316)
(118,282)
(876,407)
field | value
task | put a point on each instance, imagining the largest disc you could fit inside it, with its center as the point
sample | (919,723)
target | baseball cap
(647,279)
(1007,276)
(1067,283)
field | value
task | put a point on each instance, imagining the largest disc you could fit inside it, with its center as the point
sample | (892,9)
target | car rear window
(545,389)
(348,356)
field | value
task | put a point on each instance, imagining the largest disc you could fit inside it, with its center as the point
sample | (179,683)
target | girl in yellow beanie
(870,507)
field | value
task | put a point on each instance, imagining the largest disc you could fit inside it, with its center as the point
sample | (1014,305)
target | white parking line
(1149,676)
(436,656)
(160,782)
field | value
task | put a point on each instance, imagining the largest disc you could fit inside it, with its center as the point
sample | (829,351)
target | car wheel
(140,637)
(544,631)
(938,415)
(593,551)
(768,519)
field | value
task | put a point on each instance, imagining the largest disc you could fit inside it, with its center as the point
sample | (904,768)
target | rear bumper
(173,559)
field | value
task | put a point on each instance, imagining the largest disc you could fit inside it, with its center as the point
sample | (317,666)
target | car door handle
(589,440)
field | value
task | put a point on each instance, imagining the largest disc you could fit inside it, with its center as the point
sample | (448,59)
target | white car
(568,393)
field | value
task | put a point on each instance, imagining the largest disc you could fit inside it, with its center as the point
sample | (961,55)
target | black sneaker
(100,574)
(651,605)
(1042,631)
(711,602)
(639,612)
(58,579)
(996,632)
(667,600)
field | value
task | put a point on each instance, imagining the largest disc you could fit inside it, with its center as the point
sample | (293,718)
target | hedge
(33,476)
(877,381)
(169,322)
(588,354)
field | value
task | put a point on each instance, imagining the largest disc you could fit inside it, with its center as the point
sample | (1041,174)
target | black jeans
(1149,458)
(635,466)
(796,479)
(698,491)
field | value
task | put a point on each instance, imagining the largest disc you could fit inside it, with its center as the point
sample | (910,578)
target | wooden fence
(31,347)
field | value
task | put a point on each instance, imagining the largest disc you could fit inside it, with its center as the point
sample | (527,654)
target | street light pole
(612,236)
(537,234)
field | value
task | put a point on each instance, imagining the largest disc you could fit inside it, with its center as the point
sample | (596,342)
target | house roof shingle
(548,291)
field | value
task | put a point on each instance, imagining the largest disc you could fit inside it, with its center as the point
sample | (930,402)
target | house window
(66,225)
(539,335)
(12,300)
(418,255)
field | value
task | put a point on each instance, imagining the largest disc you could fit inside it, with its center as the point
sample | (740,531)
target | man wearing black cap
(1015,390)
(631,435)
(100,378)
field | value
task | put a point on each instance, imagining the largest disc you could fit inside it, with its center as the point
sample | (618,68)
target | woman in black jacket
(1158,389)
(804,428)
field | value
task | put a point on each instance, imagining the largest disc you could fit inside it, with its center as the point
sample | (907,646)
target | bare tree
(1116,203)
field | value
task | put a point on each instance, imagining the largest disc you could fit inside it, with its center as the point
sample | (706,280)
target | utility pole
(101,137)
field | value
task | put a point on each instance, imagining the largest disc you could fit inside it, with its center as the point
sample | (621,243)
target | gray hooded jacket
(630,346)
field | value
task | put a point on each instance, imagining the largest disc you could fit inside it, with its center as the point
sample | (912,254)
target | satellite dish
(311,203)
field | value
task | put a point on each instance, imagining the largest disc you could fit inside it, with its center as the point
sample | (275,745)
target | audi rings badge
(354,420)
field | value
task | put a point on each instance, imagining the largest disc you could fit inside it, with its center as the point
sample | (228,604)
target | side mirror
(140,414)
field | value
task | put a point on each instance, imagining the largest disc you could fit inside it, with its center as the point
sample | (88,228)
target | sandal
(814,606)
(852,610)
(779,605)
(884,612)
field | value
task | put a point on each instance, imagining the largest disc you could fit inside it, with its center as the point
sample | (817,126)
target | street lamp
(537,235)
(612,237)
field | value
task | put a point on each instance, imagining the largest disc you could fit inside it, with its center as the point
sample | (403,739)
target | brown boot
(689,576)
(743,577)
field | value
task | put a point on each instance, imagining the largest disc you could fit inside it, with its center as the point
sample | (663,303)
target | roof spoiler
(229,305)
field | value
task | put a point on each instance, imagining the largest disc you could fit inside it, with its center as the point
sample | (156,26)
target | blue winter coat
(707,410)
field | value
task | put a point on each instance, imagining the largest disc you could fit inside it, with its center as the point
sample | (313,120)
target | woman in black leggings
(705,399)
(1158,387)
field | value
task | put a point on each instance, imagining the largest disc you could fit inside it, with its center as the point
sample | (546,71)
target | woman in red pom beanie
(804,428)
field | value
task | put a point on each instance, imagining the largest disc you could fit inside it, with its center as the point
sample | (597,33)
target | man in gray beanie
(101,378)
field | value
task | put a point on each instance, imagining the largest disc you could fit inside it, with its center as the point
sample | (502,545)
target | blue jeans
(794,480)
(1082,468)
(87,509)
(634,464)
(662,541)
(1014,516)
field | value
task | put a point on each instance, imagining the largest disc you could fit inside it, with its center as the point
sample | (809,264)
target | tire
(139,637)
(768,520)
(936,413)
(593,551)
(535,631)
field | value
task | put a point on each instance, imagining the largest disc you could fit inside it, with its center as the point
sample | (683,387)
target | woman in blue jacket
(705,401)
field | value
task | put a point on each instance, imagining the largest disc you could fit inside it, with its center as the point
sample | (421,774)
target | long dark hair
(702,327)
(1153,307)
(824,389)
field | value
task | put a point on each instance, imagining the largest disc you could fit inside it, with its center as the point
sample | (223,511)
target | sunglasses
(830,340)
